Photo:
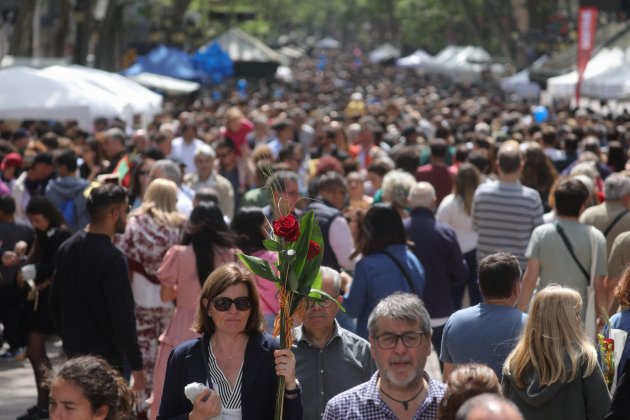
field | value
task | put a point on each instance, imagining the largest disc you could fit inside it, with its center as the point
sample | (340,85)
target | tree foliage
(504,27)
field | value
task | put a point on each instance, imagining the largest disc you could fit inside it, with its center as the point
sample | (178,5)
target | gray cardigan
(580,399)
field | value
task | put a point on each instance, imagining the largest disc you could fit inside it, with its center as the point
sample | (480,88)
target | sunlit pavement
(17,383)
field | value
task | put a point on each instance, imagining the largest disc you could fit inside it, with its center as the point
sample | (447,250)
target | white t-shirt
(185,152)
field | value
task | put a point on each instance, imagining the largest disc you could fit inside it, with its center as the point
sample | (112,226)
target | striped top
(230,396)
(504,215)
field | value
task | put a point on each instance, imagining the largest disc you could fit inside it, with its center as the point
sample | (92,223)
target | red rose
(287,227)
(313,250)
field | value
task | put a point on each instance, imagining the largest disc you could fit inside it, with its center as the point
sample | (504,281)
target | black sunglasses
(223,304)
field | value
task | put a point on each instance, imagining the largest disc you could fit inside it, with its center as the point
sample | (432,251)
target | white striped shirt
(504,215)
(230,396)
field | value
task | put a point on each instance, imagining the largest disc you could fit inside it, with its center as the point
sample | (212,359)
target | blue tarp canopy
(213,62)
(166,61)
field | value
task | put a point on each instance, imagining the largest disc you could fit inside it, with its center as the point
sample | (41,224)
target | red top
(239,137)
(439,176)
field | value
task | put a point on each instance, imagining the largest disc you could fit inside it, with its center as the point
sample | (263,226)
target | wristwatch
(293,393)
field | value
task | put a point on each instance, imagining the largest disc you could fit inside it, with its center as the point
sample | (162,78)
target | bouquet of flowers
(606,350)
(299,245)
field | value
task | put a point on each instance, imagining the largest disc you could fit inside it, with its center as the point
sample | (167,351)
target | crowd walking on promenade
(453,220)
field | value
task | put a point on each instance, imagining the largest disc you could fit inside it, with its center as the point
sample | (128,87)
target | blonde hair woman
(151,230)
(552,373)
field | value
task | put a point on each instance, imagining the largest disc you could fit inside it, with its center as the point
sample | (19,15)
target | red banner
(587,24)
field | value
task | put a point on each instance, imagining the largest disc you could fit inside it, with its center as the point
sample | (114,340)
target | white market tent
(384,53)
(123,108)
(293,53)
(418,60)
(613,83)
(462,63)
(30,94)
(241,46)
(32,62)
(328,43)
(142,101)
(466,64)
(563,86)
(167,84)
(443,57)
(520,85)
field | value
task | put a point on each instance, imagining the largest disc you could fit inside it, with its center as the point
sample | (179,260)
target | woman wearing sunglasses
(234,358)
(207,244)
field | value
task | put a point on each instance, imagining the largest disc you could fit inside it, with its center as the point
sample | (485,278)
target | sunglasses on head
(223,304)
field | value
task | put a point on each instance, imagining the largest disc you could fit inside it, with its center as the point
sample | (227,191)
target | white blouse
(451,211)
(231,408)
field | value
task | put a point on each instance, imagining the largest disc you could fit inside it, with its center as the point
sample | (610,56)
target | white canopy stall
(385,52)
(167,84)
(520,85)
(469,63)
(418,60)
(142,100)
(123,108)
(30,94)
(328,43)
(563,86)
(613,83)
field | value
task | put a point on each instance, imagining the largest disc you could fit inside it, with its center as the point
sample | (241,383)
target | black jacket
(325,213)
(620,406)
(188,363)
(91,301)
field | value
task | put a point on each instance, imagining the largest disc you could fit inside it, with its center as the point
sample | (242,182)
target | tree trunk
(83,33)
(469,14)
(178,12)
(110,32)
(21,43)
(61,31)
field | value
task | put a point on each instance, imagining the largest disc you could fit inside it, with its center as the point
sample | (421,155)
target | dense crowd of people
(452,220)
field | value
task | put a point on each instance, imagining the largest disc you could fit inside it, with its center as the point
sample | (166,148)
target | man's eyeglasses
(223,304)
(388,341)
(323,303)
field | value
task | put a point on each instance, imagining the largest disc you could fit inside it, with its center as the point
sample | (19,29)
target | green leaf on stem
(318,294)
(317,282)
(293,282)
(271,245)
(307,222)
(310,270)
(258,266)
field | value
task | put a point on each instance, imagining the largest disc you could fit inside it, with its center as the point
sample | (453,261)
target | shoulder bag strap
(614,222)
(570,248)
(402,270)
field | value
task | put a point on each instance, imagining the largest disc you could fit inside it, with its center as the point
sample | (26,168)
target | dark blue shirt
(435,244)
